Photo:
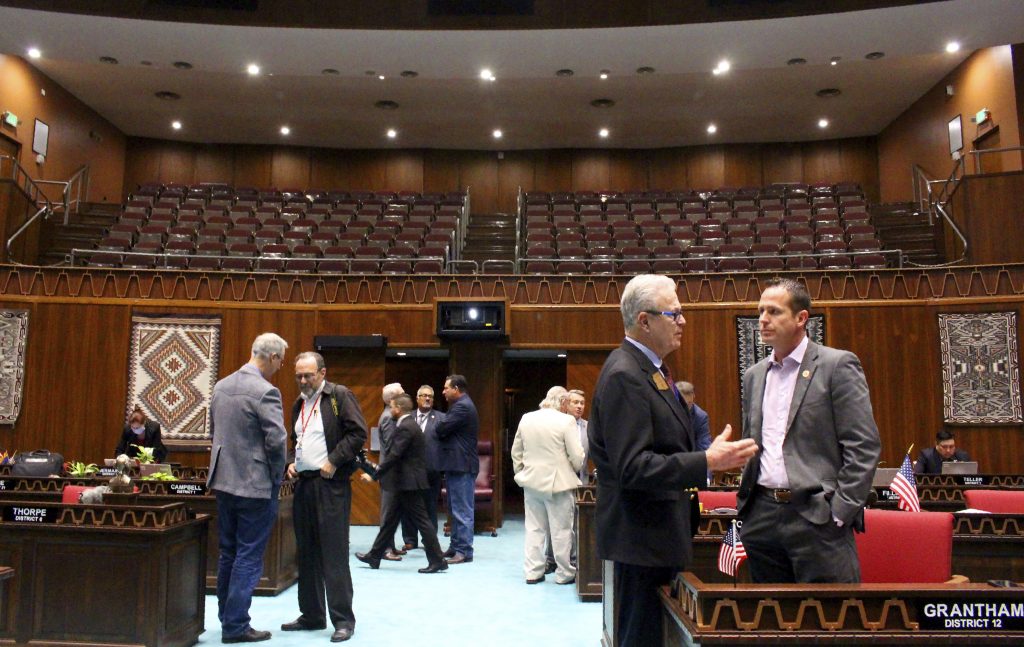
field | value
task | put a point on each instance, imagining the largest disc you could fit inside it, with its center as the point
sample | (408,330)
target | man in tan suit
(546,455)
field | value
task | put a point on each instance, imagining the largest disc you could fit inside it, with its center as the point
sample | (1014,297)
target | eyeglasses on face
(674,315)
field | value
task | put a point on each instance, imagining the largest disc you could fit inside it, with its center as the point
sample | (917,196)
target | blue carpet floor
(485,603)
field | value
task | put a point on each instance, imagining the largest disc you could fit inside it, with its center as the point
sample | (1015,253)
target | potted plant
(78,469)
(147,461)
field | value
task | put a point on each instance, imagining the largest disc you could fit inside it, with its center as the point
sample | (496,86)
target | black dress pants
(430,497)
(407,502)
(321,520)
(638,622)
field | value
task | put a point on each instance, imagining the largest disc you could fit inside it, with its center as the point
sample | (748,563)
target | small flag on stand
(905,486)
(732,553)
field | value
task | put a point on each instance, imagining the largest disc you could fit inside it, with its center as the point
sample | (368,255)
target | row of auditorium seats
(703,265)
(268,264)
(700,251)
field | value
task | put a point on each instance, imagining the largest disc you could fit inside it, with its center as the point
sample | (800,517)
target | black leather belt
(308,474)
(778,495)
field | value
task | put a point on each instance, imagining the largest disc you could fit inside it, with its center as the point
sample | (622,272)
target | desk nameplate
(29,513)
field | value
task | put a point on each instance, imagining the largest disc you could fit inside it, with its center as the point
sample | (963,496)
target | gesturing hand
(724,454)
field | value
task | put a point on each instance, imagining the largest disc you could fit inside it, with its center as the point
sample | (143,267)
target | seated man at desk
(930,460)
(140,432)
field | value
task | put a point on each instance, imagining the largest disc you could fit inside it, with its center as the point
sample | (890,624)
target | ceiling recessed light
(497,133)
(823,123)
(33,52)
(487,75)
(722,67)
(146,63)
(401,353)
(604,74)
(645,70)
(386,104)
(828,93)
(952,47)
(564,72)
(712,129)
(410,74)
(285,130)
(874,56)
(183,65)
(602,133)
(834,60)
(381,77)
(392,133)
(797,61)
(167,95)
(330,71)
(562,356)
(253,69)
(176,125)
(109,60)
(602,103)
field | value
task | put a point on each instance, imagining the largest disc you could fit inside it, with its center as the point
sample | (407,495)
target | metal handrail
(936,203)
(78,180)
(20,177)
(978,153)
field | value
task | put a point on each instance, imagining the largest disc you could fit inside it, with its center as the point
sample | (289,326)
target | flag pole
(735,566)
(910,449)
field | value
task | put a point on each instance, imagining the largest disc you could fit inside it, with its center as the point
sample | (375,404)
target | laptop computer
(884,476)
(960,467)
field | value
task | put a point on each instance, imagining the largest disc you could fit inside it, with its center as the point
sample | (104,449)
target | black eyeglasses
(674,315)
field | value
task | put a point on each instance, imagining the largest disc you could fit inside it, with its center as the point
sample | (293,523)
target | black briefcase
(39,463)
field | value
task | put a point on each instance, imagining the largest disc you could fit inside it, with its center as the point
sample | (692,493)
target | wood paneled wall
(493,178)
(988,210)
(76,366)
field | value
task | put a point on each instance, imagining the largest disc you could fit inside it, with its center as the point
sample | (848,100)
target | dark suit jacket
(643,446)
(929,462)
(701,429)
(405,467)
(831,447)
(150,438)
(344,427)
(432,441)
(457,435)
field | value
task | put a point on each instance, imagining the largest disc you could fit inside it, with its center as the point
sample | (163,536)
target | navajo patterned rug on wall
(172,368)
(13,341)
(980,368)
(752,350)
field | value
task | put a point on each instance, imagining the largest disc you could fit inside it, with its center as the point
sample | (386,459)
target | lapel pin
(807,374)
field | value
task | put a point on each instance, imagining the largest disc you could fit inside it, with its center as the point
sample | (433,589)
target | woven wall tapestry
(980,368)
(750,348)
(172,368)
(13,340)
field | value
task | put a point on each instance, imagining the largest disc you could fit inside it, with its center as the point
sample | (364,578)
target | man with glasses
(328,430)
(642,442)
(247,464)
(426,418)
(930,461)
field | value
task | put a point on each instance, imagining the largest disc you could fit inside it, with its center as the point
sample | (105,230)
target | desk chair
(906,547)
(997,501)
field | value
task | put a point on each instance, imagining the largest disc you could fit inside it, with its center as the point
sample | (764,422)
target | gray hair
(392,390)
(554,398)
(269,344)
(320,364)
(641,294)
(685,387)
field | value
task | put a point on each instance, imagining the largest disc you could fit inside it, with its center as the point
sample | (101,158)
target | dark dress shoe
(407,547)
(341,635)
(250,636)
(459,559)
(449,553)
(436,567)
(392,556)
(550,568)
(299,624)
(536,580)
(366,558)
(396,551)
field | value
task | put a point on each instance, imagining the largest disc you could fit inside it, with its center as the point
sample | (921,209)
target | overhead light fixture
(712,129)
(723,67)
(603,133)
(823,123)
(392,133)
(253,69)
(33,52)
(952,47)
(176,125)
(497,133)
(562,356)
(605,74)
(285,130)
(381,77)
(401,353)
(487,75)
(834,60)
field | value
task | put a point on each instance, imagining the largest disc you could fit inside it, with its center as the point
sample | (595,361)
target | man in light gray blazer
(808,409)
(247,464)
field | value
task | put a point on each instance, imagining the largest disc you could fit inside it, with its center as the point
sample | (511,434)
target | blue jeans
(460,498)
(243,526)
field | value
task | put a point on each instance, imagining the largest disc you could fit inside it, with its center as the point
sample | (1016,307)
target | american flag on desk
(905,486)
(732,553)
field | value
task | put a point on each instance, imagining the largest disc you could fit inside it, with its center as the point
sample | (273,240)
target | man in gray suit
(577,403)
(386,426)
(427,419)
(247,463)
(807,407)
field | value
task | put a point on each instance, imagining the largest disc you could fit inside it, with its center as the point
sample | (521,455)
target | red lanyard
(302,414)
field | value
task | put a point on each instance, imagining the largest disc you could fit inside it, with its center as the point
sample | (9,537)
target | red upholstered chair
(711,499)
(997,501)
(72,493)
(483,489)
(883,552)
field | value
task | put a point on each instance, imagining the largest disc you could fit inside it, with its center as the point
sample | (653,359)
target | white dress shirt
(310,443)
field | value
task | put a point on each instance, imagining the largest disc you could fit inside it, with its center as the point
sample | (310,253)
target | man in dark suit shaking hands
(642,442)
(807,407)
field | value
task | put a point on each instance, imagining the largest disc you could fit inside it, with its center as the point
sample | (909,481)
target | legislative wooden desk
(280,569)
(945,492)
(697,613)
(102,575)
(588,566)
